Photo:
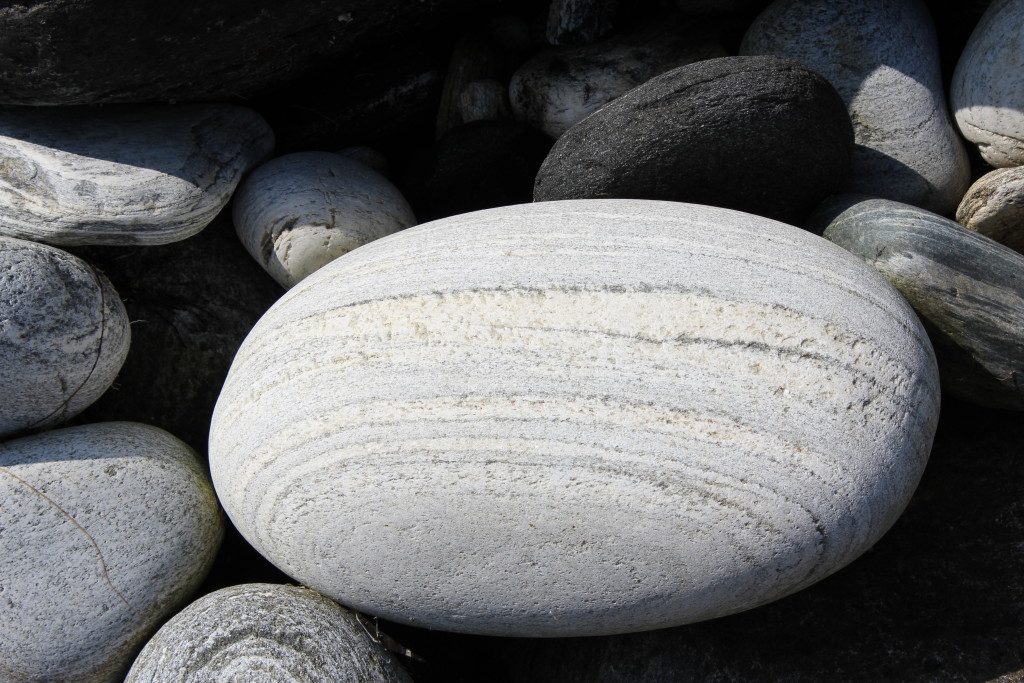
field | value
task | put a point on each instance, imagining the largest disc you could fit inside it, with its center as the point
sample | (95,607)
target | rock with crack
(301,211)
(576,418)
(243,632)
(107,529)
(63,335)
(123,175)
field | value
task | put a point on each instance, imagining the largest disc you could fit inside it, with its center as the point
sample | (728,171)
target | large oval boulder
(64,335)
(107,529)
(576,418)
(759,134)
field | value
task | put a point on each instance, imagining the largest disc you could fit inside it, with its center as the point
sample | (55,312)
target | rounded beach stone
(883,58)
(123,175)
(967,288)
(63,335)
(560,87)
(994,207)
(298,212)
(987,92)
(759,134)
(264,632)
(107,529)
(576,418)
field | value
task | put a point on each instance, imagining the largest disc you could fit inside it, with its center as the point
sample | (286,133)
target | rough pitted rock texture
(107,529)
(883,58)
(264,632)
(191,304)
(123,175)
(759,134)
(994,207)
(102,51)
(967,288)
(576,418)
(63,335)
(299,212)
(559,87)
(987,92)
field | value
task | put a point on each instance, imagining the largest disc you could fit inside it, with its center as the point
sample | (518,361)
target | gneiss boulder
(763,135)
(576,418)
(107,529)
(123,175)
(994,207)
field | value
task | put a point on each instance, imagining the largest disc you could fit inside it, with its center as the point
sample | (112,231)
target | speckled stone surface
(264,633)
(987,92)
(122,175)
(63,335)
(763,135)
(994,207)
(883,58)
(967,288)
(298,212)
(106,529)
(576,418)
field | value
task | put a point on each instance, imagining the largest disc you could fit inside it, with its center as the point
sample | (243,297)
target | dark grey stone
(763,135)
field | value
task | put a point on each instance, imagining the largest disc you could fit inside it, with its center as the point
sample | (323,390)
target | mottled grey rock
(299,212)
(576,418)
(368,156)
(882,57)
(571,22)
(122,175)
(63,335)
(107,529)
(994,207)
(763,135)
(987,92)
(263,632)
(559,87)
(967,288)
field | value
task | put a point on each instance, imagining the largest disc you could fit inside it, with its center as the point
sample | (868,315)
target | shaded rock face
(994,207)
(763,135)
(123,175)
(883,59)
(265,632)
(107,529)
(192,51)
(968,288)
(576,418)
(63,335)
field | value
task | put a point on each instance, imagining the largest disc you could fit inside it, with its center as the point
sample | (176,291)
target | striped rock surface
(106,529)
(575,418)
(123,175)
(994,207)
(264,632)
(63,335)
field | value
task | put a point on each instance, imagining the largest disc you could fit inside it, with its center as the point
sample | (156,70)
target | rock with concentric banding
(577,418)
(994,207)
(263,631)
(107,529)
(63,335)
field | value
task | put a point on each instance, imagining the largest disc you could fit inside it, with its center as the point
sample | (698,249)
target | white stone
(122,175)
(105,529)
(883,58)
(987,92)
(576,418)
(268,633)
(64,335)
(994,207)
(299,212)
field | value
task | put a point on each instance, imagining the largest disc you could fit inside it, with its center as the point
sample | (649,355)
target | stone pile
(542,318)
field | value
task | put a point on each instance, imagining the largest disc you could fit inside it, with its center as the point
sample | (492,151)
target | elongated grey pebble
(301,211)
(575,418)
(994,207)
(123,175)
(883,58)
(106,529)
(987,92)
(968,288)
(264,632)
(63,335)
